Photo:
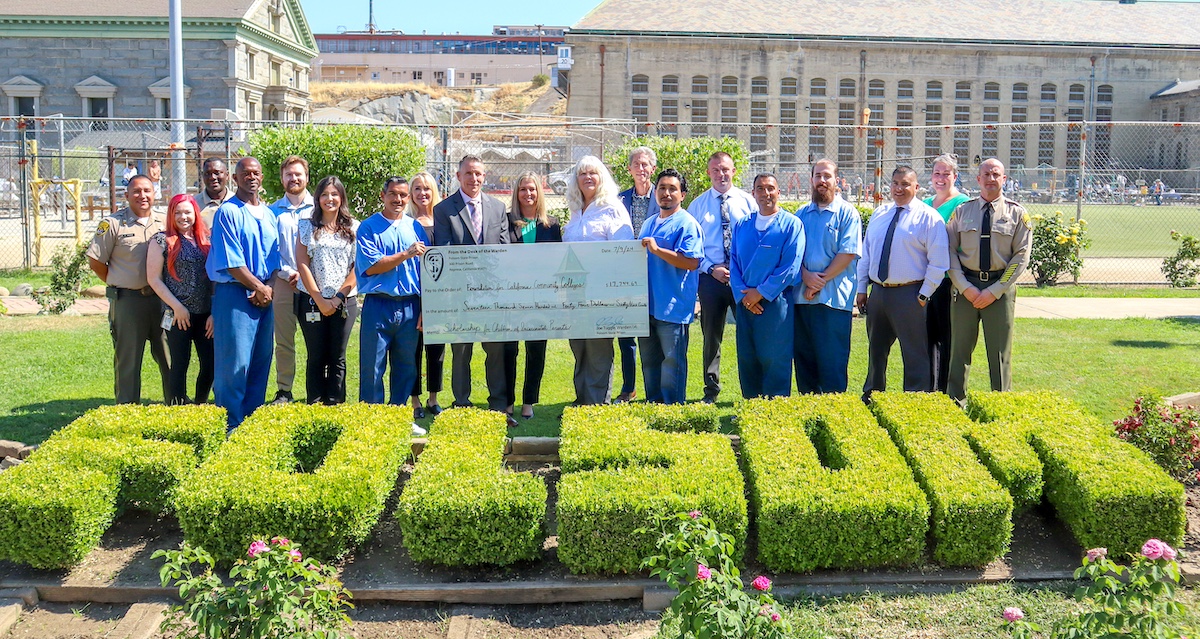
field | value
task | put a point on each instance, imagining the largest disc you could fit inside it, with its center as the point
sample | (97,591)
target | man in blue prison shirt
(243,259)
(824,294)
(674,247)
(390,279)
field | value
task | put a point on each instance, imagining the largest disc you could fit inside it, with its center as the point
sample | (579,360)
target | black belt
(118,292)
(983,276)
(886,285)
(394,298)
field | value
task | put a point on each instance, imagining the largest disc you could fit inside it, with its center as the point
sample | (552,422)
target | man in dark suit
(642,205)
(470,217)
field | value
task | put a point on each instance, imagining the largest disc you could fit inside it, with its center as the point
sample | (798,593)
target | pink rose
(775,616)
(1154,549)
(761,583)
(280,541)
(702,572)
(295,554)
(695,514)
(1012,614)
(765,611)
(257,548)
(1168,553)
(1097,553)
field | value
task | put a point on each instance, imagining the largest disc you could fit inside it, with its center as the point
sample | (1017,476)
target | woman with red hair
(176,273)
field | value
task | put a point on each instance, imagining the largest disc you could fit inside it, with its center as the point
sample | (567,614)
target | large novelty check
(509,292)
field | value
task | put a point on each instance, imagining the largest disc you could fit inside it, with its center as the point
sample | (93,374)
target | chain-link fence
(1133,182)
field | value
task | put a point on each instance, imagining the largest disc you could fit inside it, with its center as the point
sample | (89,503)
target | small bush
(461,507)
(1170,436)
(363,157)
(316,474)
(55,507)
(1183,268)
(620,472)
(540,80)
(829,488)
(972,513)
(1057,242)
(687,155)
(69,270)
(1106,491)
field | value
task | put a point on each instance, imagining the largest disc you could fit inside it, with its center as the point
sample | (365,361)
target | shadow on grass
(33,423)
(1134,343)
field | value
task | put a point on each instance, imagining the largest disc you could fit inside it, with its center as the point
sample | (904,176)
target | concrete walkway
(1044,307)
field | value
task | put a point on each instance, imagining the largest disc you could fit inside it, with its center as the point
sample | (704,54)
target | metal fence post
(23,163)
(1080,187)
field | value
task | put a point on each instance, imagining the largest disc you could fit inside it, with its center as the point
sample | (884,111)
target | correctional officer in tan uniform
(118,256)
(989,249)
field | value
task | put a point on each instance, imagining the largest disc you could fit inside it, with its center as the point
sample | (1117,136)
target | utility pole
(541,65)
(175,32)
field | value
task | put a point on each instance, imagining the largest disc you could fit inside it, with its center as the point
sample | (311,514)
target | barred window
(729,85)
(1076,93)
(962,91)
(904,90)
(670,84)
(789,86)
(1020,92)
(641,84)
(700,84)
(1049,92)
(816,87)
(876,89)
(641,110)
(933,90)
(758,86)
(991,91)
(1104,93)
(847,89)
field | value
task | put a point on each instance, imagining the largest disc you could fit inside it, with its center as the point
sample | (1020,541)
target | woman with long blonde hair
(528,224)
(422,197)
(597,215)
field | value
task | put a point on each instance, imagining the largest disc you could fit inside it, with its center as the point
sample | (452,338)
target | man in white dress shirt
(905,255)
(717,210)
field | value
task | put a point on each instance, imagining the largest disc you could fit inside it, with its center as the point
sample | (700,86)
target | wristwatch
(710,270)
(923,299)
(341,296)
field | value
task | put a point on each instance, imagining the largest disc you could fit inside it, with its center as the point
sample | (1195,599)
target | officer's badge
(102,228)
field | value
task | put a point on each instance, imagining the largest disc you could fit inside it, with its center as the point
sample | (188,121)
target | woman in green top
(946,198)
(528,224)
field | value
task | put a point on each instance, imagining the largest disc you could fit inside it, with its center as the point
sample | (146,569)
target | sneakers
(625,397)
(282,397)
(417,431)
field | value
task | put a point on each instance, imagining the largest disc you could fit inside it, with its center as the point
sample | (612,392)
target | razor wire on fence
(1133,182)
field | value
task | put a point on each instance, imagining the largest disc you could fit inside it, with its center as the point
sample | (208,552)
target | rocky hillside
(421,104)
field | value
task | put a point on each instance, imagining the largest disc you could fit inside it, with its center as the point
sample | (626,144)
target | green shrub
(363,157)
(1057,242)
(69,270)
(620,471)
(461,507)
(1170,435)
(55,507)
(1107,492)
(689,156)
(318,475)
(540,80)
(972,513)
(1183,268)
(829,488)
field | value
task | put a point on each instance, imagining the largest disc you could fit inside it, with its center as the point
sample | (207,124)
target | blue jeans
(764,348)
(388,331)
(243,338)
(821,348)
(628,348)
(664,362)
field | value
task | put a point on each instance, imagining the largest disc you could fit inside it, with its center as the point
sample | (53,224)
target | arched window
(1020,92)
(1049,92)
(816,87)
(904,90)
(991,91)
(640,84)
(933,90)
(670,84)
(1104,93)
(876,89)
(1076,93)
(729,85)
(847,88)
(962,91)
(699,84)
(789,86)
(758,86)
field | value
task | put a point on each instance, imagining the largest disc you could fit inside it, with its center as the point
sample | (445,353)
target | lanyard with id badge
(313,315)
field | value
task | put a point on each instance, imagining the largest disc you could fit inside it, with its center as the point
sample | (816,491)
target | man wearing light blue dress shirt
(296,204)
(717,210)
(390,279)
(905,255)
(767,248)
(824,295)
(243,259)
(674,247)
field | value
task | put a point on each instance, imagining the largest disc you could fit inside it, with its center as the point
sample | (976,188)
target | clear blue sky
(470,17)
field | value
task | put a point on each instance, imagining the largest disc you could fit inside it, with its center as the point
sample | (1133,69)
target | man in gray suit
(470,217)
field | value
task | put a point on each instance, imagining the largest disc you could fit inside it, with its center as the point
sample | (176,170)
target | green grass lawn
(11,278)
(55,368)
(1088,290)
(1122,230)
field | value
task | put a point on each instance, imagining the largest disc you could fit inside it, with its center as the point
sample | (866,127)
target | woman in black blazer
(528,223)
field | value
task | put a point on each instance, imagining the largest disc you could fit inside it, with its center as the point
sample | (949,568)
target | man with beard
(297,203)
(241,263)
(717,210)
(824,296)
(215,177)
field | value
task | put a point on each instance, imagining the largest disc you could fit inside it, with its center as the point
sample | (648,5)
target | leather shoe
(512,423)
(625,397)
(709,399)
(434,410)
(419,413)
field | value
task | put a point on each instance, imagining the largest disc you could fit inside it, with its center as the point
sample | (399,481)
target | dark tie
(985,238)
(885,255)
(726,234)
